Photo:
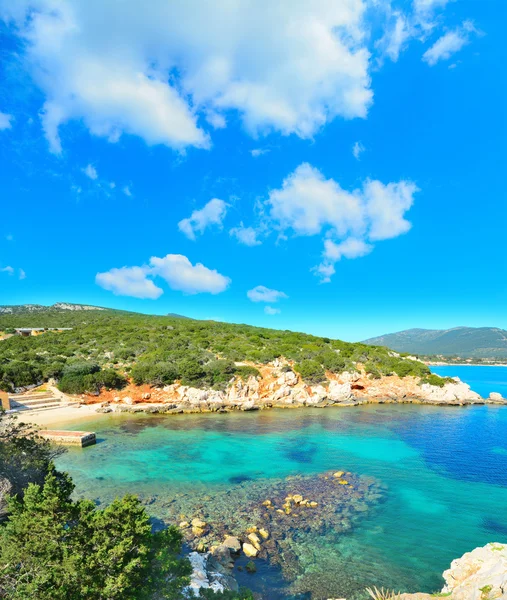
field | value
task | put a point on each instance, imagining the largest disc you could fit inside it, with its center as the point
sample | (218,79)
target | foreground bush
(55,548)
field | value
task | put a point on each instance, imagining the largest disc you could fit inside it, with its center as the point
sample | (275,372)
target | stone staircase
(37,401)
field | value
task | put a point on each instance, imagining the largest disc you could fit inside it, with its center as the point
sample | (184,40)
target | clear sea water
(482,380)
(445,469)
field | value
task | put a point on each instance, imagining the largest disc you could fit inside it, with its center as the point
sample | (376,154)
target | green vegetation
(105,346)
(55,548)
(436,380)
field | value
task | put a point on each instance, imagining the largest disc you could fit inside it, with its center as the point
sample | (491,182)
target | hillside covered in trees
(106,347)
(474,342)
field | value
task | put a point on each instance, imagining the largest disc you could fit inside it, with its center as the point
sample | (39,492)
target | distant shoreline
(440,364)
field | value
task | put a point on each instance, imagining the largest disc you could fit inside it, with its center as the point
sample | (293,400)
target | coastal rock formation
(281,387)
(477,575)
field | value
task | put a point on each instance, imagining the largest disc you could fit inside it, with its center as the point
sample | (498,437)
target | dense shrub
(311,371)
(245,371)
(433,379)
(75,382)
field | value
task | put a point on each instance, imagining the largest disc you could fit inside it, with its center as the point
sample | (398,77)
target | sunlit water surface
(445,468)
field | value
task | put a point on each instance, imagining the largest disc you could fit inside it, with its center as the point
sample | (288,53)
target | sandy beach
(55,418)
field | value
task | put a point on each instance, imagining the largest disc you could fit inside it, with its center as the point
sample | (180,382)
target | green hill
(477,342)
(105,346)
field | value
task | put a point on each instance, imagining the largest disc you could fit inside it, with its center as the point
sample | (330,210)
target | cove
(443,469)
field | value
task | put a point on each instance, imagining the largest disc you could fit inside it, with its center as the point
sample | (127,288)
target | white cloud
(261,293)
(428,5)
(8,269)
(450,43)
(259,152)
(349,248)
(357,150)
(112,185)
(385,207)
(22,274)
(153,73)
(333,252)
(126,190)
(5,121)
(269,310)
(177,271)
(90,171)
(129,281)
(308,204)
(181,275)
(245,235)
(9,237)
(397,36)
(212,213)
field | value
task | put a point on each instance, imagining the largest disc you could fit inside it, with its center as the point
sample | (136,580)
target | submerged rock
(249,550)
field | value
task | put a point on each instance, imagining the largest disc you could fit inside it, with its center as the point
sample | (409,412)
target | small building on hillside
(29,331)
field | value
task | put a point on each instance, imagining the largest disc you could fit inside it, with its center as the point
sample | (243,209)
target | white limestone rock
(479,574)
(340,392)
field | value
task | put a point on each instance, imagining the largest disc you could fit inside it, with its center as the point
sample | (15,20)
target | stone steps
(37,401)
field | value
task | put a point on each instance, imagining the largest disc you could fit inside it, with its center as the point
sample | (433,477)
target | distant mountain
(478,342)
(17,309)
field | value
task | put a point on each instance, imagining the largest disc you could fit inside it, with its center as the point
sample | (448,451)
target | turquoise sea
(481,379)
(444,471)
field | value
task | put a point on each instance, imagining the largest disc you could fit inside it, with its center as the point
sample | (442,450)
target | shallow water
(481,379)
(445,469)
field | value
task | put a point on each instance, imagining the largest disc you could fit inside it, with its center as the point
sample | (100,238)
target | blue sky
(330,167)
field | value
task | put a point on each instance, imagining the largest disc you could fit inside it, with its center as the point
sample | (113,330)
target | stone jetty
(69,438)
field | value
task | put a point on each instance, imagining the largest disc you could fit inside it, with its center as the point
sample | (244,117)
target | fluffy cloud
(5,121)
(213,213)
(450,43)
(269,310)
(357,150)
(181,275)
(90,171)
(245,235)
(263,294)
(129,281)
(177,271)
(309,204)
(126,190)
(153,73)
(333,252)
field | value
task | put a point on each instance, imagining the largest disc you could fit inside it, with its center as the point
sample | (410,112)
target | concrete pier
(69,438)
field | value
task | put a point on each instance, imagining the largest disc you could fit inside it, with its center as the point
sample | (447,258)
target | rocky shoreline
(279,386)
